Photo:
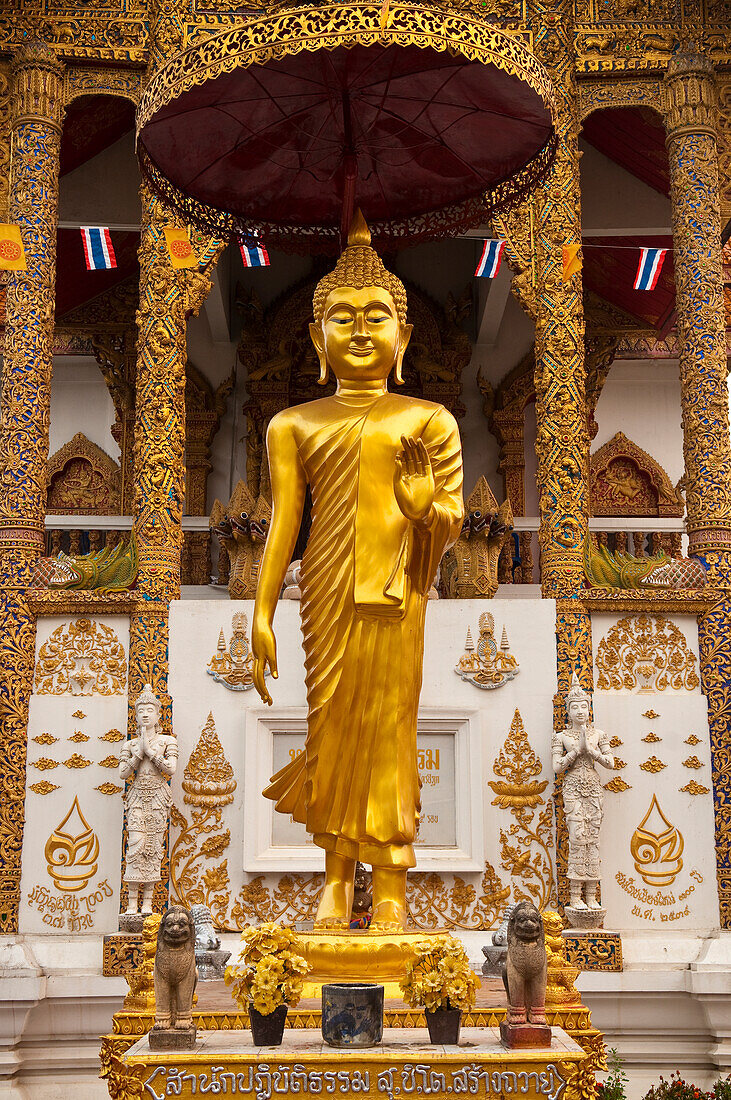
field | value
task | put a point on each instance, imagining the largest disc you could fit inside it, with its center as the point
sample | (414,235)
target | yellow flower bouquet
(269,971)
(439,979)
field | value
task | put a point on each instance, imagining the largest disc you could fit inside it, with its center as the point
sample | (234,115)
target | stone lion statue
(175,972)
(526,966)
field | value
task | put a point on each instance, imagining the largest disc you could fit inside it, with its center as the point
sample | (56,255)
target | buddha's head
(360,325)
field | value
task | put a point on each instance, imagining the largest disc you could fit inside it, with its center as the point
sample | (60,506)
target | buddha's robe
(365,577)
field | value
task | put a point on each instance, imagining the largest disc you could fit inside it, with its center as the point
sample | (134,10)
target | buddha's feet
(388,916)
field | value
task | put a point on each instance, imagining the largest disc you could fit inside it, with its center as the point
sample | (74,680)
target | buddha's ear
(406,331)
(318,339)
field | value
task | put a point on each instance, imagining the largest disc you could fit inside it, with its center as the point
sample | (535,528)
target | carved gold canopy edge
(679,601)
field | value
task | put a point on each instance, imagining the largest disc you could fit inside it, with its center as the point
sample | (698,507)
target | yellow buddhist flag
(179,247)
(12,253)
(571,261)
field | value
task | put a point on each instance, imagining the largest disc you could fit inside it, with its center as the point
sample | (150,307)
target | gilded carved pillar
(690,121)
(562,443)
(36,113)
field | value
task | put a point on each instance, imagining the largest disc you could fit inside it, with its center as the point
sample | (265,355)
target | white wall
(80,402)
(642,399)
(104,190)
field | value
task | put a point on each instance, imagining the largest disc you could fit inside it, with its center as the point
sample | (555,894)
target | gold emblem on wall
(651,739)
(231,665)
(650,714)
(45,739)
(617,785)
(43,787)
(645,652)
(486,666)
(692,740)
(657,847)
(71,851)
(81,658)
(694,788)
(693,762)
(652,764)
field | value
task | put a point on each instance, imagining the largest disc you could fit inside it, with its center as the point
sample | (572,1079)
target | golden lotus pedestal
(227,1062)
(362,956)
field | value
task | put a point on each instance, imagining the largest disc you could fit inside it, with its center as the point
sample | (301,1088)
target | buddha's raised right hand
(264,649)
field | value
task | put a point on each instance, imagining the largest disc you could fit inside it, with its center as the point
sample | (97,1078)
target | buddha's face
(360,336)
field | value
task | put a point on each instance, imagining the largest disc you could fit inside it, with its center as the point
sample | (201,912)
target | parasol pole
(350,173)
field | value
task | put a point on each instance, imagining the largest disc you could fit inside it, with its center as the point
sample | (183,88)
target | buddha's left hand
(413,480)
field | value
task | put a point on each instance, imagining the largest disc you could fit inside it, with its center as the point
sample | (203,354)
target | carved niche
(282,370)
(82,480)
(627,481)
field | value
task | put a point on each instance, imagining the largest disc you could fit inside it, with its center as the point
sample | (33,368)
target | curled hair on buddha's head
(359,265)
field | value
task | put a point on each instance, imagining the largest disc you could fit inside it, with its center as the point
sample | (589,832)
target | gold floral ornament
(439,975)
(619,764)
(43,787)
(45,739)
(78,736)
(657,847)
(78,714)
(646,652)
(76,760)
(112,735)
(693,762)
(517,763)
(44,763)
(270,969)
(208,786)
(652,714)
(108,788)
(82,658)
(231,664)
(109,762)
(692,740)
(617,785)
(71,851)
(651,739)
(615,742)
(694,788)
(487,666)
(526,845)
(652,764)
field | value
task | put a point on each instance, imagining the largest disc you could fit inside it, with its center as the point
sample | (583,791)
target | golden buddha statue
(385,473)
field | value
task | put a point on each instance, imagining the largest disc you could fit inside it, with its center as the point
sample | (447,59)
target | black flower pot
(444,1024)
(267,1031)
(352,1014)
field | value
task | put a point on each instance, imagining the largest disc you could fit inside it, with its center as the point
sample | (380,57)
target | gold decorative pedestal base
(593,948)
(404,1062)
(358,957)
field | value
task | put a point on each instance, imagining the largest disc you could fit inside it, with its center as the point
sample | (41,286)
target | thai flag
(649,268)
(491,258)
(98,248)
(254,255)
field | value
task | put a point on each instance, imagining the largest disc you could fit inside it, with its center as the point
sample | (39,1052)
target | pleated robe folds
(366,573)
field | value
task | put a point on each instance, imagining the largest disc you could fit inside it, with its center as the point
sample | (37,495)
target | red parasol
(422,137)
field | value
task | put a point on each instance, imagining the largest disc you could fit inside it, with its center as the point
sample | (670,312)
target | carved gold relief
(82,480)
(44,763)
(208,786)
(617,785)
(657,847)
(694,788)
(109,788)
(619,764)
(648,652)
(650,714)
(626,481)
(81,657)
(486,666)
(78,714)
(560,988)
(71,851)
(109,762)
(652,738)
(79,737)
(242,527)
(45,739)
(232,664)
(112,735)
(615,742)
(44,787)
(76,760)
(526,844)
(693,762)
(652,764)
(692,740)
(469,568)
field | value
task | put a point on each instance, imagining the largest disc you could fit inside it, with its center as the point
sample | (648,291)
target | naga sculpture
(112,569)
(605,568)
